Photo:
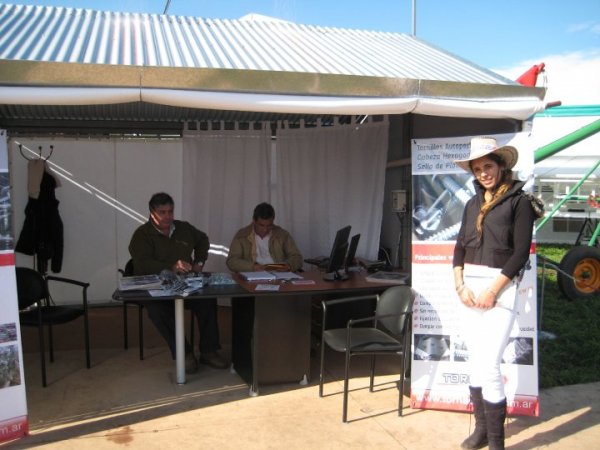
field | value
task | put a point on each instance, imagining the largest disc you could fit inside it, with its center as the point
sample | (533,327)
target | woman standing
(492,247)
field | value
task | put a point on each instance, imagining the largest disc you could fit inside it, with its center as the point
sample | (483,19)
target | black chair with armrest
(127,271)
(388,331)
(37,309)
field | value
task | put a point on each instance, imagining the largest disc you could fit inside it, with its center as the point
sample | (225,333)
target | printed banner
(13,403)
(439,374)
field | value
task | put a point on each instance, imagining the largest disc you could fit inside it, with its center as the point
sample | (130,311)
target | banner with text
(439,376)
(13,403)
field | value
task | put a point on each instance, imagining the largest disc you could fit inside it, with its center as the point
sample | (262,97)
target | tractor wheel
(583,264)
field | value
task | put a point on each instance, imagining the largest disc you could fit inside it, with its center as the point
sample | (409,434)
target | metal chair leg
(321,375)
(42,354)
(86,330)
(401,387)
(192,329)
(50,343)
(372,374)
(346,386)
(125,327)
(141,330)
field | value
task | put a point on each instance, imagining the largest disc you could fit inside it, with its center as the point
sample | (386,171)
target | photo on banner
(439,373)
(13,404)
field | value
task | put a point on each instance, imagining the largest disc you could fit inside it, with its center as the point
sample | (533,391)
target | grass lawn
(573,357)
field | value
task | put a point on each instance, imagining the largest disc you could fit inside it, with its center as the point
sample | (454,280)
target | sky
(507,37)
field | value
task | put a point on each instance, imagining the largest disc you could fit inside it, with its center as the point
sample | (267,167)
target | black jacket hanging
(42,233)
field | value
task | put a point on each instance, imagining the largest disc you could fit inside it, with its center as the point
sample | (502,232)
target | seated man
(164,243)
(262,243)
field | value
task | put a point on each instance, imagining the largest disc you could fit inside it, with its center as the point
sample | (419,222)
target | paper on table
(160,292)
(258,276)
(269,276)
(267,287)
(303,281)
(287,276)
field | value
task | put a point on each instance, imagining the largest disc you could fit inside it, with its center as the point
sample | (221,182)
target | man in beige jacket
(262,243)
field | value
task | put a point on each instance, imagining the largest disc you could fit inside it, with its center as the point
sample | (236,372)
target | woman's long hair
(504,184)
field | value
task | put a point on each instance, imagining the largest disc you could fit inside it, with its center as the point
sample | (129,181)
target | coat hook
(23,154)
(49,154)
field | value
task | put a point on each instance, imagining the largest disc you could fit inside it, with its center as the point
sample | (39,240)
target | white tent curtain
(330,177)
(225,174)
(319,179)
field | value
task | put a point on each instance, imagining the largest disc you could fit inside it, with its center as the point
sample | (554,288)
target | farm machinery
(578,273)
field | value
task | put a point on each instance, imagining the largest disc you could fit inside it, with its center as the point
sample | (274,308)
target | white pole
(414,18)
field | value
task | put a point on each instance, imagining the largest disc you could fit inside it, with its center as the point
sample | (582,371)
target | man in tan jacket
(262,243)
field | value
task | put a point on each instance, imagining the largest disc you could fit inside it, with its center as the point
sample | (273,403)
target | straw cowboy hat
(482,146)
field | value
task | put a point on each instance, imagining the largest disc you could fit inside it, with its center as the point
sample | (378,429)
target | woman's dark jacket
(507,232)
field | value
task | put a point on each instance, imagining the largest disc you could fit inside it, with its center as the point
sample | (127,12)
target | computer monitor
(352,250)
(337,257)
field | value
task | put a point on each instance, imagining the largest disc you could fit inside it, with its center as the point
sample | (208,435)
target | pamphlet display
(439,375)
(168,283)
(13,403)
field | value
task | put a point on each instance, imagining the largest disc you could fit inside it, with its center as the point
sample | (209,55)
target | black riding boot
(495,414)
(478,438)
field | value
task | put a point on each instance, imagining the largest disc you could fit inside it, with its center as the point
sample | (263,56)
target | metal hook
(49,154)
(23,154)
(39,153)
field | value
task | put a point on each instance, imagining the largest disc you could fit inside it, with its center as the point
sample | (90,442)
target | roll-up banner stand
(439,375)
(13,403)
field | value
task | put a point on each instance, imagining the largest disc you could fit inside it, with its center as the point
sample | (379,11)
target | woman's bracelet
(489,289)
(460,288)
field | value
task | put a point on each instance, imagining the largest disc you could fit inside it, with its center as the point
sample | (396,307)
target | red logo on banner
(7,259)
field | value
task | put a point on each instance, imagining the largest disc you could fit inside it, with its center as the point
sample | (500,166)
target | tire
(583,264)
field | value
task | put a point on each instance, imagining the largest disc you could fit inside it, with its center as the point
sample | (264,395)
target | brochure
(140,282)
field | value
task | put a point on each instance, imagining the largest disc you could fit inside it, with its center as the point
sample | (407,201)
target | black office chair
(37,309)
(127,272)
(389,332)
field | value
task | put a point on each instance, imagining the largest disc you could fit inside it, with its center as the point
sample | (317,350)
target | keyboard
(371,266)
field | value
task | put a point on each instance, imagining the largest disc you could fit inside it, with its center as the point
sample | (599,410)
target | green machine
(578,272)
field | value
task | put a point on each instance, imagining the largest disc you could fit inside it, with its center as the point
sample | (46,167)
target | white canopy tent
(520,108)
(90,93)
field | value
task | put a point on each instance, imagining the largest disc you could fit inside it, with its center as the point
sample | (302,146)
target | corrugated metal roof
(83,36)
(80,68)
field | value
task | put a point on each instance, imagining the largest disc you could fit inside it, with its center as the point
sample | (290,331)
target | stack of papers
(287,276)
(258,276)
(269,276)
(141,282)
